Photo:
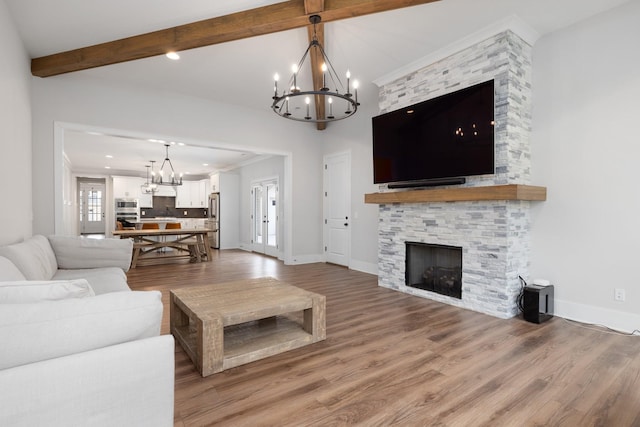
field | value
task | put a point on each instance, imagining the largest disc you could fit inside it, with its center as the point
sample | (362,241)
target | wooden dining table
(152,244)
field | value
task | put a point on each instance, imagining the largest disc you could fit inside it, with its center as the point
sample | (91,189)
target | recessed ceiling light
(205,164)
(109,156)
(180,143)
(107,167)
(173,55)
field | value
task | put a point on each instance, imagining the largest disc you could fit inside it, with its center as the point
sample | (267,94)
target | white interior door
(91,207)
(337,208)
(265,205)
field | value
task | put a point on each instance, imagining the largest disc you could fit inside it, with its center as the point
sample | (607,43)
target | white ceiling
(241,72)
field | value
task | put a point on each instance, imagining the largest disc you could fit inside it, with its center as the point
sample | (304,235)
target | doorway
(91,206)
(337,208)
(264,216)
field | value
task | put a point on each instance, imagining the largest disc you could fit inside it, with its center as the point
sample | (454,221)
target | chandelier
(330,104)
(171,179)
(149,187)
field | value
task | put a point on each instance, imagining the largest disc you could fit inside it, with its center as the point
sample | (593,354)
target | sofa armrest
(77,252)
(45,330)
(129,384)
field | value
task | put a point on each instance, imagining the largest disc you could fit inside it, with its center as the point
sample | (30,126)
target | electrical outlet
(618,294)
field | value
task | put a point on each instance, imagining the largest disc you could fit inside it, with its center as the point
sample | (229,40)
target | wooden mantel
(460,194)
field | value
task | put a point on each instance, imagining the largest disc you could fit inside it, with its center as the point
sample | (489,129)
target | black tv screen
(444,137)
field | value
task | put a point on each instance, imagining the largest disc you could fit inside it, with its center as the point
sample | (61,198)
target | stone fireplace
(492,233)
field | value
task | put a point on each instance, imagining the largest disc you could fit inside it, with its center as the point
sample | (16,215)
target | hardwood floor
(394,359)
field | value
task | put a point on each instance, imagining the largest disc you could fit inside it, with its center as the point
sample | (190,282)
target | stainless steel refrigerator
(213,221)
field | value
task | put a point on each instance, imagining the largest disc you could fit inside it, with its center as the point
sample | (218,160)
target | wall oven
(127,210)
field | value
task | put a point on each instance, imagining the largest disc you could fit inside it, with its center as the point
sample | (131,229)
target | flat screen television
(439,141)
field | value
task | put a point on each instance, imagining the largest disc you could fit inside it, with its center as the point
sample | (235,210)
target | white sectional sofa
(77,346)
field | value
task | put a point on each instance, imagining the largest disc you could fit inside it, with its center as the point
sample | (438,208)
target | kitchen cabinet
(192,194)
(130,187)
(204,193)
(127,187)
(145,200)
(166,191)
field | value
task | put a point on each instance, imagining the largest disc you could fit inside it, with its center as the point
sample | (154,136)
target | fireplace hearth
(435,268)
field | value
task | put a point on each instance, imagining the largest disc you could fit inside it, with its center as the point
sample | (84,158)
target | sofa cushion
(130,384)
(81,252)
(30,291)
(33,257)
(8,270)
(102,280)
(45,330)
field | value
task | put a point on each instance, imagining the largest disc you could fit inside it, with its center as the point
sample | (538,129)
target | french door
(91,207)
(264,215)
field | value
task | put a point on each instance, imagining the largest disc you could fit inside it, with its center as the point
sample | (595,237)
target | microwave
(126,203)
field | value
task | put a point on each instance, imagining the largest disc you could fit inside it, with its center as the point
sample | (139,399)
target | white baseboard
(305,259)
(618,320)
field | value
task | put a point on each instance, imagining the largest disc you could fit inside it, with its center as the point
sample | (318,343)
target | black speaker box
(537,303)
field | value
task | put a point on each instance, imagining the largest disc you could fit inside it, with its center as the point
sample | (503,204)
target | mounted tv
(439,141)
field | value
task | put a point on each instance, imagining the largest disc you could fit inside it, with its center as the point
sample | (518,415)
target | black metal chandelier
(295,104)
(171,179)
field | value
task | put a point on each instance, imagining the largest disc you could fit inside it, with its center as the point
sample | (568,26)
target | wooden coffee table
(229,324)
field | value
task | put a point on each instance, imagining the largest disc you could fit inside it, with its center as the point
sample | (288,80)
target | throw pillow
(8,270)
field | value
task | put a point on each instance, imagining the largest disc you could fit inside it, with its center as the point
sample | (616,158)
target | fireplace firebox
(435,268)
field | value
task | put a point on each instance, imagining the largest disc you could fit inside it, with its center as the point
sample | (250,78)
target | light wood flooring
(394,359)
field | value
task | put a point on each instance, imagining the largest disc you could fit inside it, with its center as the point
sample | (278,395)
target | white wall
(15,134)
(586,150)
(74,98)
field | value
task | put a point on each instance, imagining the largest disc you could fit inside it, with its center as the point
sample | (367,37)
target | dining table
(166,244)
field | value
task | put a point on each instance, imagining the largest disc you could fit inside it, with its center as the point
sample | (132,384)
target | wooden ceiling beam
(255,22)
(315,7)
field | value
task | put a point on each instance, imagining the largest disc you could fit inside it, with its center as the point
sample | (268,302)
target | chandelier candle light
(159,178)
(149,187)
(293,101)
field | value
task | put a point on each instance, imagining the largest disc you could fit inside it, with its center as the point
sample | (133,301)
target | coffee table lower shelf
(251,341)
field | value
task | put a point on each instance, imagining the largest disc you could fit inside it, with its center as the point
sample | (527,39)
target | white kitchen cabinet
(183,195)
(214,183)
(192,194)
(145,200)
(203,193)
(166,191)
(186,194)
(127,187)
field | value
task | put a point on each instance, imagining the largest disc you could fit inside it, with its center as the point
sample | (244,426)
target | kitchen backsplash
(173,212)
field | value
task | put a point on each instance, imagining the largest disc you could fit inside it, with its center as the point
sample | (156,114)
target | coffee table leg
(177,317)
(210,345)
(314,318)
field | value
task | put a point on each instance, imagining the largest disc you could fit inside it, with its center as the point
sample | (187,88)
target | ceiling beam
(255,22)
(312,7)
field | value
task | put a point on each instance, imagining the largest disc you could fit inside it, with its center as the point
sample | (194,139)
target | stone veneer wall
(494,236)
